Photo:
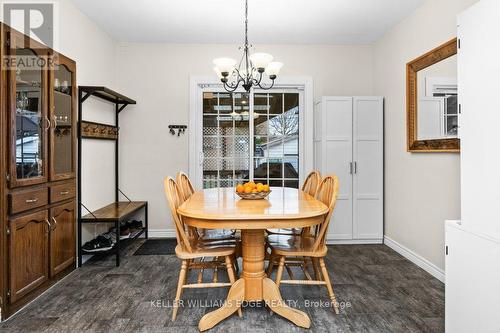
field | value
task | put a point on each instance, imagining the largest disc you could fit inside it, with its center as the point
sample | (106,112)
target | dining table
(222,208)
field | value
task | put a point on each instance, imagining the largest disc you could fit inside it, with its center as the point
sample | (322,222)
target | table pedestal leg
(253,286)
(272,297)
(231,305)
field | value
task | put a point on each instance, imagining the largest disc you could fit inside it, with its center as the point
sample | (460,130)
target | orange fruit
(248,189)
(255,190)
(266,188)
(260,187)
(240,188)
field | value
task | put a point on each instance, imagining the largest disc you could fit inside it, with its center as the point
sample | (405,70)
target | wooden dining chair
(311,183)
(186,189)
(191,250)
(308,246)
(310,187)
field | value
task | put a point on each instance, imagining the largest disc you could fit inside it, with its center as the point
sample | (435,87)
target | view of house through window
(234,122)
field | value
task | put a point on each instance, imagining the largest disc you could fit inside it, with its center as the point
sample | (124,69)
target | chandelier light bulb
(273,69)
(225,65)
(260,60)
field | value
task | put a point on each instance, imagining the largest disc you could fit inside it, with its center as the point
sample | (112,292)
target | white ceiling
(270,21)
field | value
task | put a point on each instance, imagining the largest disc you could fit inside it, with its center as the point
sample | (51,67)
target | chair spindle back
(327,193)
(174,201)
(186,190)
(185,186)
(311,183)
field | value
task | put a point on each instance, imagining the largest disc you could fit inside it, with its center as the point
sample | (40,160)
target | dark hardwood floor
(379,290)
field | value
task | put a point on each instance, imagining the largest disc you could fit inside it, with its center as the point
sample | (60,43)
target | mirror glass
(437,104)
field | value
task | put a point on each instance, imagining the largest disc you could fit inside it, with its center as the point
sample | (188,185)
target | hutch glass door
(29,113)
(62,133)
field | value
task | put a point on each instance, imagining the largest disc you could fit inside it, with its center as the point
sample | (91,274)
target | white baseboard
(161,233)
(353,241)
(415,258)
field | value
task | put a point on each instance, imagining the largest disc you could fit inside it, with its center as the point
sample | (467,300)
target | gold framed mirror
(432,101)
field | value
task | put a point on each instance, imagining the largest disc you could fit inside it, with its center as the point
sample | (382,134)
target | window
(446,91)
(233,122)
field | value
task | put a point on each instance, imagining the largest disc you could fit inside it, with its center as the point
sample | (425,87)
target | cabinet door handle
(50,226)
(55,121)
(31,200)
(350,168)
(355,167)
(64,192)
(55,223)
(45,122)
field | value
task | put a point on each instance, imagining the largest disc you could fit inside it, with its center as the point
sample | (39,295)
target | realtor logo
(36,19)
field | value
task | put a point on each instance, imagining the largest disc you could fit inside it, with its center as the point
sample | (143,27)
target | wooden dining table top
(223,208)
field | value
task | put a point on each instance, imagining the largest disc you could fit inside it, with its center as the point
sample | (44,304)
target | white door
(368,157)
(225,138)
(256,135)
(337,157)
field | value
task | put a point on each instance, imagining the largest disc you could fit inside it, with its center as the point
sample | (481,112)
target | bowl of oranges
(252,191)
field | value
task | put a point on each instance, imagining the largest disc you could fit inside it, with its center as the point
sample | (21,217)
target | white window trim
(432,81)
(196,86)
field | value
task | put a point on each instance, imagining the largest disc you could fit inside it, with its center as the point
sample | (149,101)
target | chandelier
(251,68)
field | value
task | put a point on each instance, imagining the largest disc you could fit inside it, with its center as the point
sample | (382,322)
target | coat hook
(181,129)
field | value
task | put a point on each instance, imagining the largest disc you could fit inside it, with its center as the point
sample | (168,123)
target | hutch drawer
(26,200)
(62,192)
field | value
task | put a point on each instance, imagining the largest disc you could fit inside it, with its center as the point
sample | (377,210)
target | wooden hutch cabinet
(37,168)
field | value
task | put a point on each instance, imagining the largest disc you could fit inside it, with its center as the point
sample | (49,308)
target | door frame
(197,84)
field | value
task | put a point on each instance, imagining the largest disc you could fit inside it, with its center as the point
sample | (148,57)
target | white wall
(157,76)
(421,189)
(94,52)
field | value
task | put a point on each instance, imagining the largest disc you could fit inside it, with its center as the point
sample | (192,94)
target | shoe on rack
(124,232)
(134,224)
(100,243)
(111,236)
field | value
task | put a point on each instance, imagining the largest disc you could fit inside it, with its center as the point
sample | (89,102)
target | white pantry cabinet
(349,142)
